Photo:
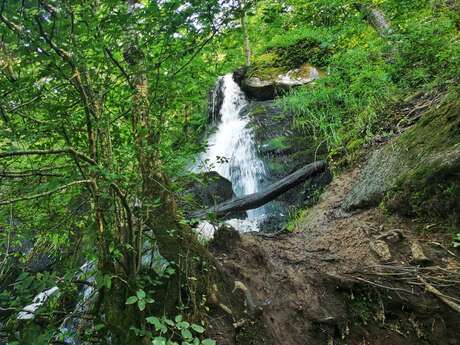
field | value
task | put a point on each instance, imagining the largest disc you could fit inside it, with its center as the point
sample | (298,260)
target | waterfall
(232,153)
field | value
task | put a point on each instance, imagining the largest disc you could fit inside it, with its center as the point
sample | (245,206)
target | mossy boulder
(417,173)
(264,83)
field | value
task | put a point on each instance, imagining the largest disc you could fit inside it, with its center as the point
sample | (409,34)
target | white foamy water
(232,153)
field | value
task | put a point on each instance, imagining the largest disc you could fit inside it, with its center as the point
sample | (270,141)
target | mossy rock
(276,144)
(266,73)
(418,172)
(276,168)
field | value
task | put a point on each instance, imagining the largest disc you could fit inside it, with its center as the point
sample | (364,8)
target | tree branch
(69,150)
(40,195)
(117,64)
(19,174)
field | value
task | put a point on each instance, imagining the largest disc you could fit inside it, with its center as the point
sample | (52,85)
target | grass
(368,74)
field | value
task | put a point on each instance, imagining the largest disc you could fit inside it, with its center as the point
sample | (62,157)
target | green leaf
(178,318)
(140,294)
(198,328)
(159,341)
(159,326)
(153,320)
(99,326)
(131,300)
(183,325)
(186,334)
(141,304)
(169,322)
(208,342)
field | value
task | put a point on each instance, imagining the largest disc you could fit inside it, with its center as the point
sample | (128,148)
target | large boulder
(417,172)
(267,84)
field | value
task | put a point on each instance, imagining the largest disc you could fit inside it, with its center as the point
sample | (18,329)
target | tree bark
(244,27)
(255,200)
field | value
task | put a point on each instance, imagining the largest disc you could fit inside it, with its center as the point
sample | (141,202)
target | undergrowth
(367,73)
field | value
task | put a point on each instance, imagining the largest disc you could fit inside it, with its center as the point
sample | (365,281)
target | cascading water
(232,153)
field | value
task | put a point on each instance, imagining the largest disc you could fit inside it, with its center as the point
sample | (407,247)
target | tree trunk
(244,27)
(159,217)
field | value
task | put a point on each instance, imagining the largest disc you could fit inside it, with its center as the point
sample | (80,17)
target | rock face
(285,149)
(267,87)
(215,99)
(416,172)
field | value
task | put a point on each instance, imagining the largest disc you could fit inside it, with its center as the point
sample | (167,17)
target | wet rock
(209,189)
(273,223)
(258,89)
(284,150)
(215,100)
(381,249)
(239,75)
(38,261)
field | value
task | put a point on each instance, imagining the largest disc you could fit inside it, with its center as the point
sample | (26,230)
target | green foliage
(456,242)
(71,75)
(67,78)
(277,143)
(367,73)
(165,331)
(141,299)
(304,44)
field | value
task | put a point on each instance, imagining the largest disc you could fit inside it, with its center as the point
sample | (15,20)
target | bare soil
(339,278)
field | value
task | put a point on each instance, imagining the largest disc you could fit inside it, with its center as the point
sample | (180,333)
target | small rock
(392,236)
(381,249)
(418,256)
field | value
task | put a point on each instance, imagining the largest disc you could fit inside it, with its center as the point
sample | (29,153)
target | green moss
(258,110)
(267,73)
(279,143)
(430,187)
(275,167)
(295,52)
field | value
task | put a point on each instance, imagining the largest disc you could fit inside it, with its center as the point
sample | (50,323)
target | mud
(324,284)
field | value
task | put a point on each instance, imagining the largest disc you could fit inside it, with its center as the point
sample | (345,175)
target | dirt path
(338,279)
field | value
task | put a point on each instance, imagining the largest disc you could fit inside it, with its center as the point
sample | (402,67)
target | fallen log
(258,199)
